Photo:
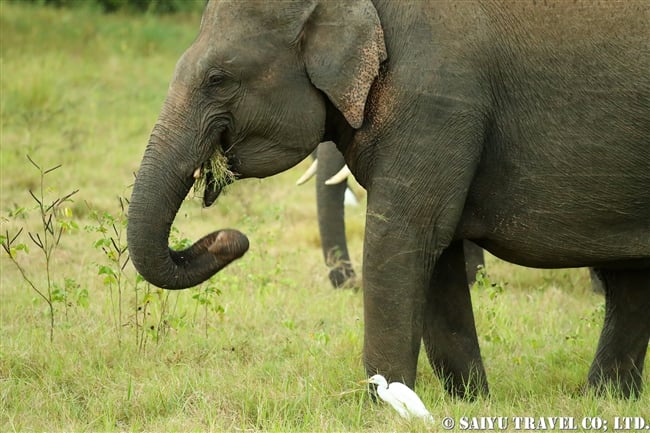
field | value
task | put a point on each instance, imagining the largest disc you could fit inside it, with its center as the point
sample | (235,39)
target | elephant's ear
(343,46)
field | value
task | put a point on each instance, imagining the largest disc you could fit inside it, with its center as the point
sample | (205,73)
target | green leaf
(109,280)
(13,251)
(82,298)
(58,295)
(68,225)
(104,242)
(106,270)
(16,212)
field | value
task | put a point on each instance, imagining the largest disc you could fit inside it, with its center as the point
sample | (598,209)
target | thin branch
(6,245)
(67,197)
(128,258)
(15,237)
(54,203)
(35,198)
(48,224)
(26,278)
(51,169)
(58,238)
(33,163)
(36,240)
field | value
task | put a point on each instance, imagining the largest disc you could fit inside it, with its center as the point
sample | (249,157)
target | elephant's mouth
(213,175)
(212,189)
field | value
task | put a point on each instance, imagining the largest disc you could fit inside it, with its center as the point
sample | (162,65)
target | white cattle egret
(403,399)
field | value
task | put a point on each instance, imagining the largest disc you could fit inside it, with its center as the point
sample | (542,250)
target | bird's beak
(364,382)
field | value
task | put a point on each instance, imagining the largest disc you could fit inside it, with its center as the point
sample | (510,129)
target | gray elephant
(331,185)
(520,126)
(330,209)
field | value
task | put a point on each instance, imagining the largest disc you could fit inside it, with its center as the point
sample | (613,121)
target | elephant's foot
(343,277)
(390,348)
(396,361)
(616,379)
(465,380)
(623,344)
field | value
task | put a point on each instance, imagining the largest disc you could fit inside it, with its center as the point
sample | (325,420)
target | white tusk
(197,173)
(311,171)
(339,177)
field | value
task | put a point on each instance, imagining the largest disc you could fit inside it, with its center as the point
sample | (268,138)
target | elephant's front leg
(449,330)
(394,299)
(415,206)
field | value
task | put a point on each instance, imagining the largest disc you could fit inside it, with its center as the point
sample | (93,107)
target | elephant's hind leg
(449,330)
(624,339)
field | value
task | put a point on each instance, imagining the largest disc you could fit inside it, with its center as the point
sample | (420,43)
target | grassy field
(266,345)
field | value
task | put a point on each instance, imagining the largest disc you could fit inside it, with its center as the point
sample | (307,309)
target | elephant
(521,126)
(331,185)
(331,214)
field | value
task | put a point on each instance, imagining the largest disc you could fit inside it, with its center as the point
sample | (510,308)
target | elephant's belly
(540,255)
(542,216)
(548,241)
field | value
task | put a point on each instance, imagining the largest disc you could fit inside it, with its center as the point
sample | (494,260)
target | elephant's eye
(215,78)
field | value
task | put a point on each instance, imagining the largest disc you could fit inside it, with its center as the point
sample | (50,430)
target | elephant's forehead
(230,39)
(241,37)
(236,55)
(250,18)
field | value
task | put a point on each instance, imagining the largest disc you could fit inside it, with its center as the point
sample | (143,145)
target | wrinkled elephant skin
(330,205)
(521,126)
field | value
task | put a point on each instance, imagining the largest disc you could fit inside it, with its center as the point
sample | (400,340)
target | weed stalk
(47,240)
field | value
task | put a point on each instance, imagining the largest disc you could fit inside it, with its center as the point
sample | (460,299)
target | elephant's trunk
(163,181)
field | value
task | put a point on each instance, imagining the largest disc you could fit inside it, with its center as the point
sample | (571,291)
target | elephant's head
(247,99)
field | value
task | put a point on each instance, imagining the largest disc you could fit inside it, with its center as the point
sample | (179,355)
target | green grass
(267,345)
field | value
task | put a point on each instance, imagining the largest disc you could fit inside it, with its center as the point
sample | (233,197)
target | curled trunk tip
(226,245)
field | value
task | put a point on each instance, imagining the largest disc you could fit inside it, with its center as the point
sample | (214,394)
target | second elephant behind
(330,207)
